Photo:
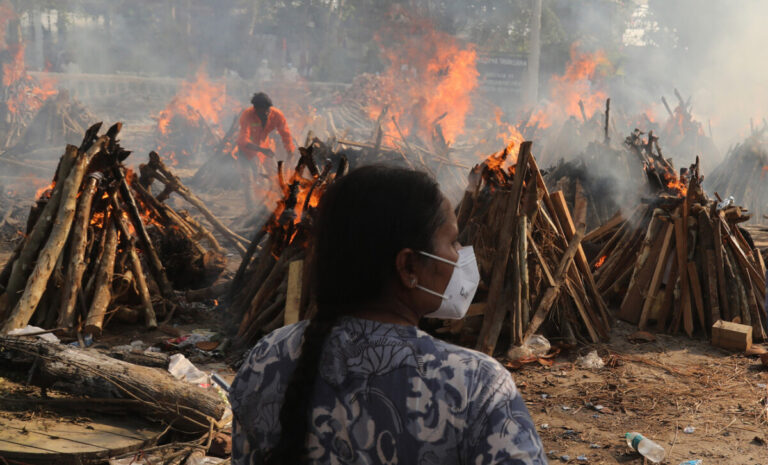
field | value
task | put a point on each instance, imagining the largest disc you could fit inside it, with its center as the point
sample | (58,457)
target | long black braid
(363,221)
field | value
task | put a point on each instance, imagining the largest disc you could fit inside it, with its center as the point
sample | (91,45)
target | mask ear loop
(429,291)
(440,259)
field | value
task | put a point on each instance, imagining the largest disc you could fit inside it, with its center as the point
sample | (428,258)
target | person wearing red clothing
(256,124)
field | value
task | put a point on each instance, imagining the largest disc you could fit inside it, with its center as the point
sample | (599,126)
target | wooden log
(658,274)
(552,293)
(103,285)
(211,292)
(77,263)
(88,372)
(35,239)
(522,263)
(669,295)
(150,317)
(38,280)
(534,167)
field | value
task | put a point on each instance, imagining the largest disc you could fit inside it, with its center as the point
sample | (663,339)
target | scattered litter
(565,458)
(591,361)
(726,203)
(565,407)
(595,446)
(552,453)
(536,346)
(183,369)
(689,430)
(545,396)
(35,331)
(545,426)
(206,461)
(582,458)
(691,462)
(761,385)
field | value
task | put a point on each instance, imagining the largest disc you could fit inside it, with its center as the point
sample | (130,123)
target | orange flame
(600,261)
(579,83)
(197,105)
(429,80)
(45,190)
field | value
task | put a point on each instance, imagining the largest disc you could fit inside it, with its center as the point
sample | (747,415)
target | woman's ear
(405,265)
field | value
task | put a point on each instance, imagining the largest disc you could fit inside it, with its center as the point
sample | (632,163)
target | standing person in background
(253,142)
(359,383)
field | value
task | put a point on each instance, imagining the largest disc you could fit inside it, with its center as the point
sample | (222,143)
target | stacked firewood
(744,175)
(681,261)
(271,287)
(59,121)
(534,273)
(88,241)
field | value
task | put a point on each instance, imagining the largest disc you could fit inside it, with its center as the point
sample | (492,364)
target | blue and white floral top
(386,394)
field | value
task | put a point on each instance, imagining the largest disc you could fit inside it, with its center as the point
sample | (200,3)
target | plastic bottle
(646,447)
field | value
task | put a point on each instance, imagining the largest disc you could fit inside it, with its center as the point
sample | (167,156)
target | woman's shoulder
(485,366)
(279,345)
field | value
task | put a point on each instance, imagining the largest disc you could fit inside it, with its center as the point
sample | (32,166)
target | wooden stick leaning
(77,264)
(103,285)
(172,182)
(37,281)
(150,318)
(23,265)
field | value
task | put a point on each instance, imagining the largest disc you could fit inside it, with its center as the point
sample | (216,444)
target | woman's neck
(388,311)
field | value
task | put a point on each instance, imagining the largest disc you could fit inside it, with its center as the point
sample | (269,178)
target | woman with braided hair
(359,383)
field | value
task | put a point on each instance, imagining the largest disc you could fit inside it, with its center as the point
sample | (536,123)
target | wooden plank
(293,292)
(732,336)
(582,310)
(698,298)
(681,244)
(643,268)
(720,268)
(569,229)
(658,275)
(669,295)
(496,310)
(605,228)
(714,298)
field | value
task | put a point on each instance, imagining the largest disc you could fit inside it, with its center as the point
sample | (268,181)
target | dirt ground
(658,389)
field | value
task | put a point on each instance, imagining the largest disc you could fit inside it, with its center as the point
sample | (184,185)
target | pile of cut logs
(681,261)
(89,239)
(271,287)
(744,175)
(59,121)
(535,276)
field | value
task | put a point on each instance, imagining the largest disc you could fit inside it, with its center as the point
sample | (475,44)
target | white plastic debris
(726,203)
(29,329)
(689,430)
(590,361)
(536,345)
(181,368)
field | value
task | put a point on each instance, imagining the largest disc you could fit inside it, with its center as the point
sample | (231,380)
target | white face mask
(461,288)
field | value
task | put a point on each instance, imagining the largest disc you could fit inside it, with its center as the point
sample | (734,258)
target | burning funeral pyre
(502,214)
(680,260)
(271,287)
(90,238)
(743,174)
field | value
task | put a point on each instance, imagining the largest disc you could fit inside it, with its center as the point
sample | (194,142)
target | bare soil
(658,389)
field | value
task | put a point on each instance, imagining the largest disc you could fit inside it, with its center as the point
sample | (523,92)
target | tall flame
(429,81)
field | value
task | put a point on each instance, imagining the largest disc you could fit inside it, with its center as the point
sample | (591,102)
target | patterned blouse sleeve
(501,430)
